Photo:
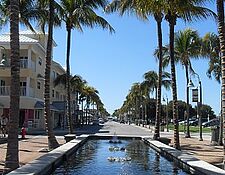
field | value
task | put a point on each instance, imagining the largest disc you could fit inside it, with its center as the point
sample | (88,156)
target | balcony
(5,91)
(24,64)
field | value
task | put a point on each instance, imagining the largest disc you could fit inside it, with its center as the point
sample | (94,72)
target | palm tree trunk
(220,142)
(68,80)
(221,31)
(52,142)
(159,85)
(172,23)
(187,98)
(12,157)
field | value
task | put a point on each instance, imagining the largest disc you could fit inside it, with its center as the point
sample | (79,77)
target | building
(32,68)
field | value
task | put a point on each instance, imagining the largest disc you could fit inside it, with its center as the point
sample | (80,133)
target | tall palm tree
(76,14)
(12,157)
(151,81)
(35,11)
(142,9)
(221,31)
(187,10)
(187,45)
(52,142)
(211,49)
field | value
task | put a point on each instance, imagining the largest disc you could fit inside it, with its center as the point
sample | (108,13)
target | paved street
(124,129)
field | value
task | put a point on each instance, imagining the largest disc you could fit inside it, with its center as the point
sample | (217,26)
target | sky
(113,62)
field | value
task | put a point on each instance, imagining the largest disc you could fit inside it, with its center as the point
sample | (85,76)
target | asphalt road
(112,127)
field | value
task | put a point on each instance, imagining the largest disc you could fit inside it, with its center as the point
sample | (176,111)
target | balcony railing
(24,64)
(5,91)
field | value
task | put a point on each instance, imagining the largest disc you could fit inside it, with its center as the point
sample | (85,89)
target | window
(38,114)
(53,93)
(54,74)
(24,58)
(2,83)
(38,85)
(39,61)
(57,95)
(23,83)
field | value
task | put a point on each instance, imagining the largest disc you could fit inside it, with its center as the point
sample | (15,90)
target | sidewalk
(28,149)
(202,150)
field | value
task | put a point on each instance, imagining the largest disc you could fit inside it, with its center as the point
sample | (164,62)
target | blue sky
(113,62)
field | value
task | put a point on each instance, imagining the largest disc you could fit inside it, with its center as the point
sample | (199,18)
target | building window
(2,83)
(57,95)
(53,93)
(23,58)
(38,114)
(38,85)
(54,75)
(40,61)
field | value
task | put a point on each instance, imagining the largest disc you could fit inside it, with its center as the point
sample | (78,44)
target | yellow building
(32,69)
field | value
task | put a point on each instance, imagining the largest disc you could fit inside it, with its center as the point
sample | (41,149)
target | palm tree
(144,8)
(77,84)
(52,142)
(12,157)
(187,45)
(211,49)
(221,31)
(30,11)
(187,10)
(151,81)
(76,14)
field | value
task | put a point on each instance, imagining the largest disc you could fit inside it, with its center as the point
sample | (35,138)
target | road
(110,127)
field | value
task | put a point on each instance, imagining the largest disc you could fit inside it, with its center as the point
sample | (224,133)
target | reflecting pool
(131,157)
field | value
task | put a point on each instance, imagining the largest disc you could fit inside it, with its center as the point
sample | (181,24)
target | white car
(101,121)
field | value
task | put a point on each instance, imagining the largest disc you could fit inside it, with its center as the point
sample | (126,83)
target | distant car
(95,122)
(196,122)
(122,121)
(101,121)
(213,122)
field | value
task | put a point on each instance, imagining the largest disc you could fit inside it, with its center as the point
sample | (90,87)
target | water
(137,159)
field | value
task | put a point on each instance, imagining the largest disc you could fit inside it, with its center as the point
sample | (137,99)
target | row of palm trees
(46,14)
(139,95)
(85,95)
(188,45)
(188,10)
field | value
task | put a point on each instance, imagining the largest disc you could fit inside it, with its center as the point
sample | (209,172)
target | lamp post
(167,124)
(199,106)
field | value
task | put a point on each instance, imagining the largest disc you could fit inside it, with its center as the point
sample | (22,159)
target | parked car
(213,122)
(122,121)
(101,121)
(196,122)
(185,121)
(95,122)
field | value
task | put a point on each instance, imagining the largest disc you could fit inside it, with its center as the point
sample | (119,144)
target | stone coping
(48,162)
(185,160)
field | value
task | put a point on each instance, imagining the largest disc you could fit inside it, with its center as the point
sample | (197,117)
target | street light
(167,125)
(199,106)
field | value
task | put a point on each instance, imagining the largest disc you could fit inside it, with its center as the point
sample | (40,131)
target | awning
(60,105)
(40,105)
